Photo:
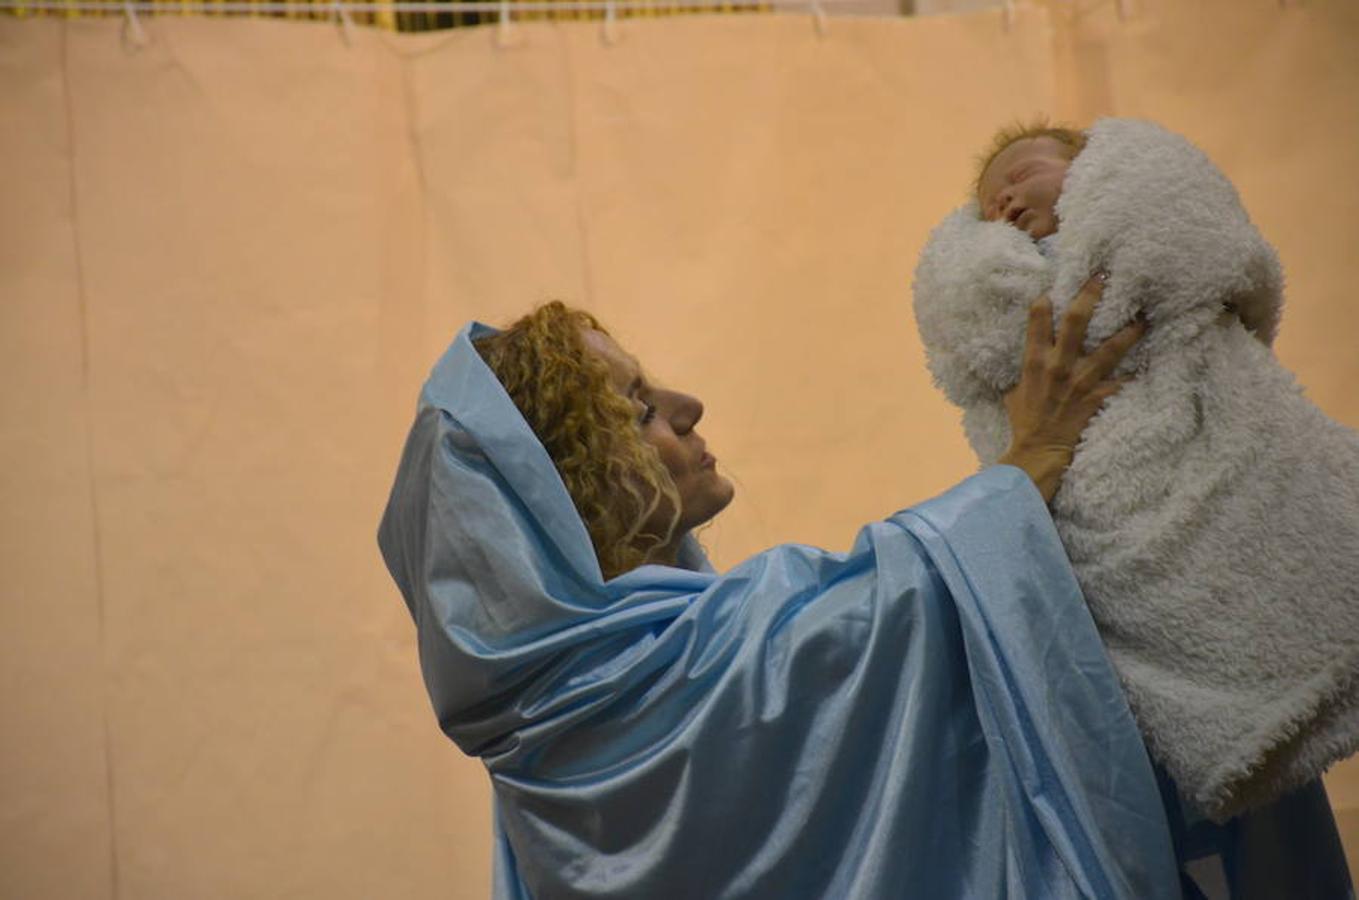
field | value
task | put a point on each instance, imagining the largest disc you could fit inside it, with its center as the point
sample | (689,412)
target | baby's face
(1022,184)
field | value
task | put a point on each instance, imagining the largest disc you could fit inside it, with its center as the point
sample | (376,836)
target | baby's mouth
(1026,221)
(1013,215)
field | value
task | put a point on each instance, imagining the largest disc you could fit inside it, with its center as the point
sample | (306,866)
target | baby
(1021,178)
(1211,512)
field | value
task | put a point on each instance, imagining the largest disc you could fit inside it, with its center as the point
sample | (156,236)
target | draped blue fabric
(1289,848)
(928,715)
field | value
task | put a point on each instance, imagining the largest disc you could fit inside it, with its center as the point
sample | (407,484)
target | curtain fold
(54,697)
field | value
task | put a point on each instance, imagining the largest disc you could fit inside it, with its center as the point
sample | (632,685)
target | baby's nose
(1003,201)
(996,208)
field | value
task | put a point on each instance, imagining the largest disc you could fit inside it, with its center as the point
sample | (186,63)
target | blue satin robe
(929,715)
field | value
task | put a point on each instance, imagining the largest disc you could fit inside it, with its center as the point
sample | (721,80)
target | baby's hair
(1072,138)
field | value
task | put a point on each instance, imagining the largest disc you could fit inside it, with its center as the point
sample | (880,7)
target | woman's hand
(1060,389)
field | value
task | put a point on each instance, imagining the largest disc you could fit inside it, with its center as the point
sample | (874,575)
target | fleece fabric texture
(1211,511)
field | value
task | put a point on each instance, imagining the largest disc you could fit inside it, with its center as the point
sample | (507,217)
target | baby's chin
(1042,226)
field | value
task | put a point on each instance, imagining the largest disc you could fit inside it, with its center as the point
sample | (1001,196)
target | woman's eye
(648,413)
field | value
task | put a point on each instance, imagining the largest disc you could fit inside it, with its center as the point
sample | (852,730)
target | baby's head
(1020,177)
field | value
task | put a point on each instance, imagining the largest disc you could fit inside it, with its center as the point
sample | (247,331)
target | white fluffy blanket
(1211,511)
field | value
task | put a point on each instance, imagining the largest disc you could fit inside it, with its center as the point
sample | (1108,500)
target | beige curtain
(229,256)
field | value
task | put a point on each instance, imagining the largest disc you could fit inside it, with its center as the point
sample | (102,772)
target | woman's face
(667,419)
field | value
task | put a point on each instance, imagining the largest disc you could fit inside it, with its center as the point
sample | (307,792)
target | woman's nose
(688,410)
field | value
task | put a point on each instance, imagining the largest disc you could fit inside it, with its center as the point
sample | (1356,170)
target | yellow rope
(388,18)
(385,17)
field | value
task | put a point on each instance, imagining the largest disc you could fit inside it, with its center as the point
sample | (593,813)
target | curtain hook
(502,32)
(819,17)
(610,22)
(1009,20)
(132,26)
(344,21)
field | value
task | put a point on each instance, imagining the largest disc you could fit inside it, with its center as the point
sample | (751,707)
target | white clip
(610,23)
(819,17)
(346,23)
(1009,15)
(132,26)
(503,38)
(1124,10)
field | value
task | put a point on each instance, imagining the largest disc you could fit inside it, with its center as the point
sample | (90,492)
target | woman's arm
(1060,389)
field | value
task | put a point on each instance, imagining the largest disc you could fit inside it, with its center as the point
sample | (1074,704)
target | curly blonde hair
(1072,138)
(563,389)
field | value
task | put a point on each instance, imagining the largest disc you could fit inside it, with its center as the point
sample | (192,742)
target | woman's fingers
(1071,335)
(1064,360)
(1110,353)
(1106,389)
(1040,326)
(1060,387)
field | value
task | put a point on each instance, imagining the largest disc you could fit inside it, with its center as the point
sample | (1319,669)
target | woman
(930,714)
